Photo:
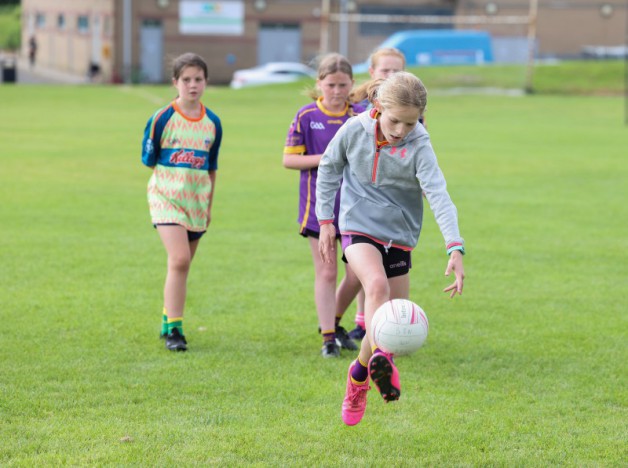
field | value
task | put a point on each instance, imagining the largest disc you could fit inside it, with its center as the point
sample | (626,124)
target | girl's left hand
(455,265)
(209,217)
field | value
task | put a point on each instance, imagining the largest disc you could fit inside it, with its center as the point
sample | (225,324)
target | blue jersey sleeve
(213,151)
(149,153)
(151,143)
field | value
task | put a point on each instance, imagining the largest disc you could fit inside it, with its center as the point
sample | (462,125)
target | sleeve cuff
(455,246)
(325,221)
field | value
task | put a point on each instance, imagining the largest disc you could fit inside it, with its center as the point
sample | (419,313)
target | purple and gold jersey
(310,132)
(182,150)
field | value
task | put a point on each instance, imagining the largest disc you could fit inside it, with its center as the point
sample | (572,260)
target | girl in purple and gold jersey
(311,130)
(181,143)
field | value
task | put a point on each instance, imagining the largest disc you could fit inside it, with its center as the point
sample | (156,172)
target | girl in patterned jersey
(181,143)
(311,130)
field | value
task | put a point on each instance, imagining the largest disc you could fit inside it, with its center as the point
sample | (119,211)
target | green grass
(527,368)
(603,77)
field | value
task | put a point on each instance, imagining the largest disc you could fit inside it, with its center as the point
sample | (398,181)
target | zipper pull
(386,247)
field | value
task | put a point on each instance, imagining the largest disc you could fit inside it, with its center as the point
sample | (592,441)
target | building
(136,40)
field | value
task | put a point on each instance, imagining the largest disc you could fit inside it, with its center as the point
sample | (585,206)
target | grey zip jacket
(381,189)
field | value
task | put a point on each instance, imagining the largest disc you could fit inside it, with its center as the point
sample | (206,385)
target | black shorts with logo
(316,235)
(396,262)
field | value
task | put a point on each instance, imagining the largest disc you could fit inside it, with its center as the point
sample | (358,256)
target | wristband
(325,221)
(458,247)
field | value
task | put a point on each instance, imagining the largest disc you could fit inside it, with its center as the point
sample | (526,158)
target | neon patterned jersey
(310,132)
(182,151)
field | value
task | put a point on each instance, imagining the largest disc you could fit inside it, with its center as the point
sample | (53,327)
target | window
(107,26)
(151,23)
(82,23)
(61,21)
(40,20)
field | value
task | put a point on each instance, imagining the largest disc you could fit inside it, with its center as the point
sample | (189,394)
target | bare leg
(347,290)
(399,287)
(180,252)
(325,276)
(360,302)
(366,262)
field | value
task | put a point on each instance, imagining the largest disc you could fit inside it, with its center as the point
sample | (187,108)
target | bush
(10,28)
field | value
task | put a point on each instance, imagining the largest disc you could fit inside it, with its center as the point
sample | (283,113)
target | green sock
(175,322)
(164,323)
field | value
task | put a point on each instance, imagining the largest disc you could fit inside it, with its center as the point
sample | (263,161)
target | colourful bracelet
(455,247)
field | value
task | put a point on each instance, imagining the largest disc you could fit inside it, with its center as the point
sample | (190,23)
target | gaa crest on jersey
(317,125)
(149,148)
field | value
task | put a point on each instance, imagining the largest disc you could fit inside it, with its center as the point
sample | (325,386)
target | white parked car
(272,72)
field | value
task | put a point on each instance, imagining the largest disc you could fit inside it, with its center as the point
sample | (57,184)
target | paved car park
(18,71)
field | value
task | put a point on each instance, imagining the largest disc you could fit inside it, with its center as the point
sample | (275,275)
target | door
(151,52)
(278,43)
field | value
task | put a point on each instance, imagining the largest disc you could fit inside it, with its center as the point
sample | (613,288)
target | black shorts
(396,262)
(316,235)
(192,235)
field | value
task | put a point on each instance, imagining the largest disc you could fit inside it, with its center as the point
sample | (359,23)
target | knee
(327,274)
(378,288)
(179,263)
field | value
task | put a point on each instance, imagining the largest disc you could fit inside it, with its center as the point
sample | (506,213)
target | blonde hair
(386,51)
(328,65)
(401,89)
(359,94)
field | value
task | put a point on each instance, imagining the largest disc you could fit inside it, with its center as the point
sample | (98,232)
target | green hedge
(10,28)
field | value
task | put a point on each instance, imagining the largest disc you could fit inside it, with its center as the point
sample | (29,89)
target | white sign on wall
(218,18)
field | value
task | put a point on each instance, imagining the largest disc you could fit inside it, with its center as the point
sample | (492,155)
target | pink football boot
(354,403)
(384,374)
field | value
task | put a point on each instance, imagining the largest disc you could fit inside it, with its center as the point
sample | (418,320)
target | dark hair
(188,60)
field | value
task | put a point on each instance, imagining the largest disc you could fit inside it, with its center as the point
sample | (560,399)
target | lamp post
(534,7)
(343,30)
(127,40)
(324,45)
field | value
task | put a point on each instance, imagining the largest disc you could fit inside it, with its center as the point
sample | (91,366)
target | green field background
(527,368)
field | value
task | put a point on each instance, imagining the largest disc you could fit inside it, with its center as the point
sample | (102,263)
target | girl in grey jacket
(382,161)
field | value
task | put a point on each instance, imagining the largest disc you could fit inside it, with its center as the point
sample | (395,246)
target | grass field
(527,368)
(583,77)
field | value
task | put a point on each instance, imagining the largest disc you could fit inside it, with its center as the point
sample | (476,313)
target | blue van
(442,47)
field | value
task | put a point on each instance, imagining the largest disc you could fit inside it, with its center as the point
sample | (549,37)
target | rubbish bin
(9,70)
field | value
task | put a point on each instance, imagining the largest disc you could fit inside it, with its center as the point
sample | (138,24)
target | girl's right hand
(327,243)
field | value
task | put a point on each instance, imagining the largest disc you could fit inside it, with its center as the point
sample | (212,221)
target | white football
(399,327)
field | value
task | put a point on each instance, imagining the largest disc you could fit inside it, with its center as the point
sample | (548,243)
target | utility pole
(534,7)
(324,45)
(127,41)
(343,30)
